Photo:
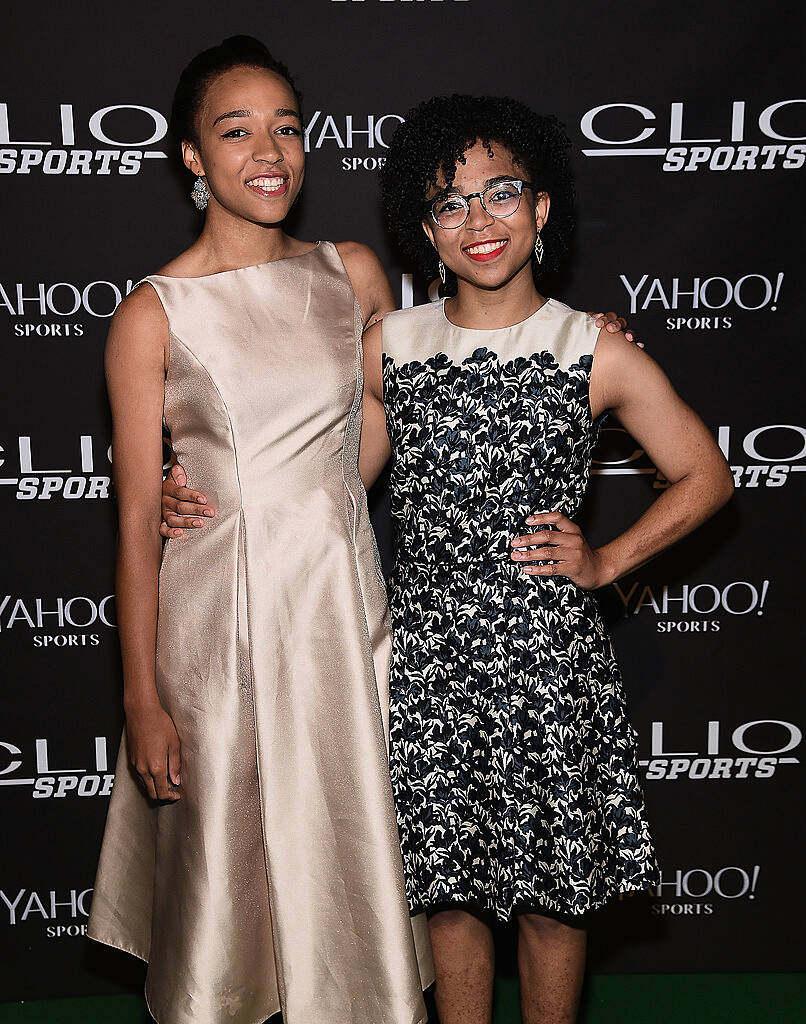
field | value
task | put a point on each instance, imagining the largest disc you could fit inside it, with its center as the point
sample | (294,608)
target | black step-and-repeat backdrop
(689,137)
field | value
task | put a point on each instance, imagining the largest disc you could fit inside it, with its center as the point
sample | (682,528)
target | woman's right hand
(154,750)
(182,508)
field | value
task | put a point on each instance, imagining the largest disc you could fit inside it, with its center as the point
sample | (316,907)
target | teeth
(267,182)
(485,248)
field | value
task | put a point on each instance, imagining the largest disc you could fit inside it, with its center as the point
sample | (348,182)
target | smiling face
(250,145)
(488,252)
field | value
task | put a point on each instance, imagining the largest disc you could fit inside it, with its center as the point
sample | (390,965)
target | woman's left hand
(615,323)
(565,546)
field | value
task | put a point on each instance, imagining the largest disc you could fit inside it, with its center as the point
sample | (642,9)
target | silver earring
(442,271)
(200,194)
(539,248)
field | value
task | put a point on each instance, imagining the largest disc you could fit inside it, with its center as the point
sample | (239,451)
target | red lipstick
(483,252)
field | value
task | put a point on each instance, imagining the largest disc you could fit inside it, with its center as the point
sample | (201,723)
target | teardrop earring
(539,248)
(442,274)
(200,194)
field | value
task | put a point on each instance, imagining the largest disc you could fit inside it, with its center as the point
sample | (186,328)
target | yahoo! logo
(683,608)
(45,309)
(350,132)
(60,621)
(679,892)
(703,303)
(71,908)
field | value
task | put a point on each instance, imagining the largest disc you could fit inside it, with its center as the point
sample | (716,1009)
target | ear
(191,158)
(428,228)
(542,209)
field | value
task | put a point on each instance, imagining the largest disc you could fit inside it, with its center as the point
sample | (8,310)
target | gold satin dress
(276,882)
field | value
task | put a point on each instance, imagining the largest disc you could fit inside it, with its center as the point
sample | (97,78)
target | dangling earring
(442,271)
(200,194)
(539,248)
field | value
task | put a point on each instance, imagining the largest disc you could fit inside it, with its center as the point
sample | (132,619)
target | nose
(267,149)
(477,218)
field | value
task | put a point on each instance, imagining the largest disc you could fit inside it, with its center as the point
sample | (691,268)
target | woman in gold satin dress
(261,870)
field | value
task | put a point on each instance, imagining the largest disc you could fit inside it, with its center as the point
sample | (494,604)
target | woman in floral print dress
(512,757)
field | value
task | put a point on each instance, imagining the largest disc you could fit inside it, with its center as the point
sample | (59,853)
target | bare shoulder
(614,353)
(624,372)
(363,267)
(140,310)
(139,329)
(357,256)
(368,278)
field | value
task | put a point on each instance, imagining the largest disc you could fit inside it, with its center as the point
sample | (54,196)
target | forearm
(371,462)
(375,448)
(137,588)
(684,506)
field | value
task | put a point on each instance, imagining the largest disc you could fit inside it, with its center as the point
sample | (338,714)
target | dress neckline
(238,270)
(491,330)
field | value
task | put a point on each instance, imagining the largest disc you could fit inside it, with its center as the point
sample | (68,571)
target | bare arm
(628,382)
(374,294)
(375,446)
(135,373)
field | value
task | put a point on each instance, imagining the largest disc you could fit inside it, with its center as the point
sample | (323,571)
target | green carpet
(609,999)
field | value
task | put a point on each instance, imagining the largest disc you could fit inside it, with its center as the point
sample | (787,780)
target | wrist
(138,702)
(606,570)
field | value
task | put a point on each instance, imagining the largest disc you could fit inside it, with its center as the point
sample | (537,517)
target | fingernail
(197,522)
(201,499)
(209,512)
(177,533)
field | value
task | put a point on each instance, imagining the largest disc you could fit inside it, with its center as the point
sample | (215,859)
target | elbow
(139,538)
(724,487)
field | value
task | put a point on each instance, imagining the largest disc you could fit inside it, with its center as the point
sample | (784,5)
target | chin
(262,212)
(494,279)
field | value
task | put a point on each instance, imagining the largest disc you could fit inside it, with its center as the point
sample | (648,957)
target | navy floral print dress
(513,761)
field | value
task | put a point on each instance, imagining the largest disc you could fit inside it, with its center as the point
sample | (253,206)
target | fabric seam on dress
(353,410)
(242,525)
(279,976)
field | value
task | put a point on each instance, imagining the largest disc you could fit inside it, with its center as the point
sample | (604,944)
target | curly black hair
(435,136)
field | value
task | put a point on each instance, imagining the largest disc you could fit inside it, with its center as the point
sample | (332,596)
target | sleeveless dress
(276,882)
(513,761)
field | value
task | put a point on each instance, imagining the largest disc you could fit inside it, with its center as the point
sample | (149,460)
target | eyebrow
(453,191)
(490,181)
(279,112)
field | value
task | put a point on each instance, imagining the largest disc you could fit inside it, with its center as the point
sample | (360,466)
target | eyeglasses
(501,199)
